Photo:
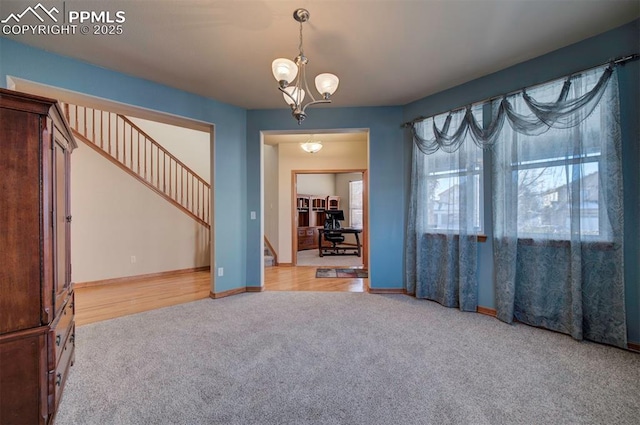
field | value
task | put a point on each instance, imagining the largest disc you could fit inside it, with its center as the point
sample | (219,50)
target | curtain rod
(618,61)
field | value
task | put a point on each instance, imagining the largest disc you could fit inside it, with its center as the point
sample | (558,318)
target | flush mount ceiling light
(311,146)
(286,70)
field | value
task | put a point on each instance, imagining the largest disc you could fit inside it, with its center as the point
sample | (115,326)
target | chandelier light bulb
(327,84)
(284,70)
(293,91)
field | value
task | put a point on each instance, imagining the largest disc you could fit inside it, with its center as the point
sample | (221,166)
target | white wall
(316,184)
(271,195)
(116,217)
(334,156)
(189,146)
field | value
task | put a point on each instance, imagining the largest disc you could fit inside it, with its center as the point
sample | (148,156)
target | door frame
(78,98)
(365,210)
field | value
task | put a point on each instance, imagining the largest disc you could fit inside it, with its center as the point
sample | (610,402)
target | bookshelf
(302,205)
(311,215)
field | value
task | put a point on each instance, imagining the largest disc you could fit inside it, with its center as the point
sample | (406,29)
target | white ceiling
(385,52)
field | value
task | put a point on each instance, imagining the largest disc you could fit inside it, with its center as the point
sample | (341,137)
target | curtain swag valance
(543,116)
(563,113)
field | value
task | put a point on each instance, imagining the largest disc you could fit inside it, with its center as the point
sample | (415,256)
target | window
(355,204)
(544,199)
(554,153)
(444,191)
(451,178)
(558,173)
(549,175)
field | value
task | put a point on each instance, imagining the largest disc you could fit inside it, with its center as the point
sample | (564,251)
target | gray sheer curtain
(558,212)
(557,205)
(561,113)
(445,219)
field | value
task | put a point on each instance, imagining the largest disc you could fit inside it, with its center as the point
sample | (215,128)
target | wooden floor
(96,303)
(303,278)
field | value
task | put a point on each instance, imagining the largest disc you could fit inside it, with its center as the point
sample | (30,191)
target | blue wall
(237,150)
(386,182)
(36,65)
(585,54)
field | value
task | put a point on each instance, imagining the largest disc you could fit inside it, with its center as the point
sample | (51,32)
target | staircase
(127,146)
(270,257)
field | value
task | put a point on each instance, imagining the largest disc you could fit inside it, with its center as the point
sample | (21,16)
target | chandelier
(286,70)
(311,146)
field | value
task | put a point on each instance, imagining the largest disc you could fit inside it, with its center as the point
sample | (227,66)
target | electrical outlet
(220,271)
(253,215)
(133,259)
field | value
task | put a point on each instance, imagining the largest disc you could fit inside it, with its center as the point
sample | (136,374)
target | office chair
(332,222)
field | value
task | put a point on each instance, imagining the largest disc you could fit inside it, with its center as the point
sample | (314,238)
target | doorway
(121,215)
(343,152)
(317,196)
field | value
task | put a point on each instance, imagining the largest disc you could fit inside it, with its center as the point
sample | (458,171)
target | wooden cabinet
(37,331)
(311,214)
(303,208)
(318,207)
(333,202)
(307,238)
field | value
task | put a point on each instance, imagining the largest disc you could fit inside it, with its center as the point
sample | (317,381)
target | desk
(336,251)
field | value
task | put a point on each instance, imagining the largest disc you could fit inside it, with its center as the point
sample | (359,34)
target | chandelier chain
(300,48)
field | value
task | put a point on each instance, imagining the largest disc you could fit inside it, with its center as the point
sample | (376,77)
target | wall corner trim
(486,311)
(230,292)
(387,291)
(255,288)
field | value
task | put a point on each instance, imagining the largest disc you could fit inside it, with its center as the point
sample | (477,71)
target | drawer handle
(58,379)
(58,340)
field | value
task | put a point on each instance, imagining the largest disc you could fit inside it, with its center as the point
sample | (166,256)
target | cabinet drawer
(23,377)
(61,330)
(301,232)
(58,377)
(305,243)
(310,232)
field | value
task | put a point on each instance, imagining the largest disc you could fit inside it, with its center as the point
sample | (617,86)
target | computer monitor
(335,215)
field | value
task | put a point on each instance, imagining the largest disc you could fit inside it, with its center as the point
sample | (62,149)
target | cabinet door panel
(20,303)
(23,380)
(60,229)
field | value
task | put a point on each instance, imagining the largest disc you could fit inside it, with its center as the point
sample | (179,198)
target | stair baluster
(171,179)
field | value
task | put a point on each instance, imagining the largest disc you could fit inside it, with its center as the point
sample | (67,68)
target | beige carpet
(330,358)
(311,257)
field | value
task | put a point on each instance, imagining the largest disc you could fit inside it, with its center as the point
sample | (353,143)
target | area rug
(348,273)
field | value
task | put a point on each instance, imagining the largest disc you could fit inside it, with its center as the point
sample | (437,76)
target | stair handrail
(159,146)
(273,251)
(193,207)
